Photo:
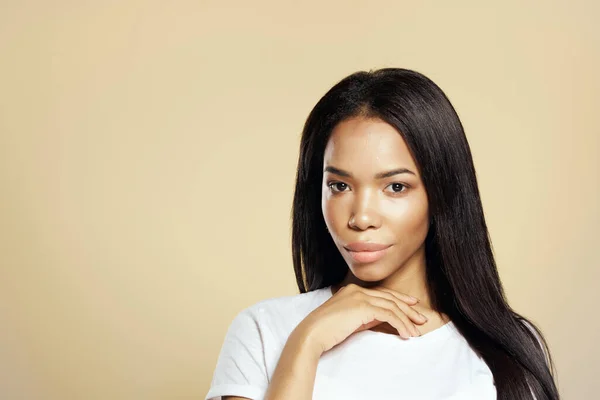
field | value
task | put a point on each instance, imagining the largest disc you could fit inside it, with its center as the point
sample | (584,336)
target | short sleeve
(241,369)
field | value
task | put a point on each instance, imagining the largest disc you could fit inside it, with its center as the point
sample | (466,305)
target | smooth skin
(372,192)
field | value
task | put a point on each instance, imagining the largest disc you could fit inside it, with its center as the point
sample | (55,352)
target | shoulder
(289,307)
(254,340)
(279,315)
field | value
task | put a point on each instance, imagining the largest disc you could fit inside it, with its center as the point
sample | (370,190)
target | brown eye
(397,187)
(337,186)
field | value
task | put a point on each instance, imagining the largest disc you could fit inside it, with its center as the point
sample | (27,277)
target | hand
(353,309)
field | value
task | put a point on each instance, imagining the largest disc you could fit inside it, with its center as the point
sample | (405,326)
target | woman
(399,297)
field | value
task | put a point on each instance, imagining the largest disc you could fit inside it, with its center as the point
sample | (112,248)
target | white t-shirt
(440,365)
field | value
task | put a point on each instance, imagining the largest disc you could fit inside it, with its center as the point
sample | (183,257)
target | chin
(368,272)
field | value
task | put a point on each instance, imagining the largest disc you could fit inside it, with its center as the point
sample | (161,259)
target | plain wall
(148,153)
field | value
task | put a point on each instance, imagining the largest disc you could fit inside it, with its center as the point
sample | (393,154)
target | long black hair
(461,271)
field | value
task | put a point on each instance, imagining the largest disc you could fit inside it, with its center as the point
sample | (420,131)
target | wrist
(304,340)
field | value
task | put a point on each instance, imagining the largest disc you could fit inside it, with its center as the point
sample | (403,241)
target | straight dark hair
(462,275)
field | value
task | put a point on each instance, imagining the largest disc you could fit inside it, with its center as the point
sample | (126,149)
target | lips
(366,246)
(363,252)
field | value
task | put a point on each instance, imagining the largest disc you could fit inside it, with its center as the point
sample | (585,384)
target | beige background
(147,160)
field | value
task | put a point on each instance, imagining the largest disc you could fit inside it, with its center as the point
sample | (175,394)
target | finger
(413,314)
(387,315)
(401,296)
(368,325)
(409,327)
(401,310)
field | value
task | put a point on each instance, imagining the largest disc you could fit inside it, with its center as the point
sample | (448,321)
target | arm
(294,376)
(241,373)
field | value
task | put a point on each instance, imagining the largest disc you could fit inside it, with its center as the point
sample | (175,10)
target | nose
(364,212)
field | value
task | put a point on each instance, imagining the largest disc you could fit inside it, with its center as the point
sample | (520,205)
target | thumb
(368,325)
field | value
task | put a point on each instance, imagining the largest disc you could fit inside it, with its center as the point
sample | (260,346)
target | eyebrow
(380,175)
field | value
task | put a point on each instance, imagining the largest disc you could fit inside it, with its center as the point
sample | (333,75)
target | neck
(410,279)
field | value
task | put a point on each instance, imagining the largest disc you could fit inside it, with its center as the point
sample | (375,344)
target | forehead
(367,145)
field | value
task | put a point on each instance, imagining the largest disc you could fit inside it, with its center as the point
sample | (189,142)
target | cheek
(409,221)
(334,213)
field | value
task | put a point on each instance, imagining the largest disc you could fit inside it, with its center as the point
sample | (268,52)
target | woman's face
(372,192)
